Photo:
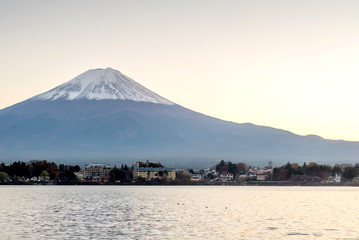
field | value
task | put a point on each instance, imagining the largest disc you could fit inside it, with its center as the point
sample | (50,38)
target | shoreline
(249,183)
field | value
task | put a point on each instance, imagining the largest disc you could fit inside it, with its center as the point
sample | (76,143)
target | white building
(263,174)
(226,177)
(196,177)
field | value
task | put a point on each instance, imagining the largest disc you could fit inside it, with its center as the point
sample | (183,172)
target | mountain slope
(70,125)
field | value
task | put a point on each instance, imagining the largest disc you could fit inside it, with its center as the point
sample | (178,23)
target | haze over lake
(181,212)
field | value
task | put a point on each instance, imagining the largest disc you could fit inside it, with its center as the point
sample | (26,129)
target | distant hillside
(104,116)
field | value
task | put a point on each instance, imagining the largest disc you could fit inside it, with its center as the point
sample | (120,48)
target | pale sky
(290,64)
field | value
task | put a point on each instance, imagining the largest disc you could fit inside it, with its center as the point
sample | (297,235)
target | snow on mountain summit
(101,84)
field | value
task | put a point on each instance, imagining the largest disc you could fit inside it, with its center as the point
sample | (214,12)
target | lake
(178,212)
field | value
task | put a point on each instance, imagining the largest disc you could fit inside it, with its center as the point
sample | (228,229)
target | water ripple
(144,212)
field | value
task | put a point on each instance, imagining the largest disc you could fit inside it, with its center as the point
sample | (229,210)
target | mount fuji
(102,84)
(104,116)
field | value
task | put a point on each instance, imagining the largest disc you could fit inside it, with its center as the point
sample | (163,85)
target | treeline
(314,172)
(150,164)
(234,168)
(42,170)
(122,174)
(292,171)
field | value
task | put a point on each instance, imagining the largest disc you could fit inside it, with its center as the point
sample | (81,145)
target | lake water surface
(178,212)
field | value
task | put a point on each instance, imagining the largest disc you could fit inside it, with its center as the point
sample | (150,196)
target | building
(261,176)
(196,177)
(149,173)
(96,171)
(264,174)
(335,179)
(226,177)
(80,175)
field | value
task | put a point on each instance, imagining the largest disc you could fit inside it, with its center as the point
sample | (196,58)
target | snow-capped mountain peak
(101,84)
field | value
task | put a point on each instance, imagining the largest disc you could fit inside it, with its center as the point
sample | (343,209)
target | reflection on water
(146,212)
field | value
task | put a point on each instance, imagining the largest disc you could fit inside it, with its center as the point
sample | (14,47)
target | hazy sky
(286,64)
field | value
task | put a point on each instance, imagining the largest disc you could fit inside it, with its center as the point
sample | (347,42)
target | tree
(221,164)
(232,168)
(122,174)
(336,169)
(287,174)
(53,170)
(304,168)
(210,176)
(66,173)
(18,169)
(183,177)
(3,176)
(282,173)
(297,170)
(242,168)
(149,164)
(44,175)
(222,167)
(313,169)
(350,173)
